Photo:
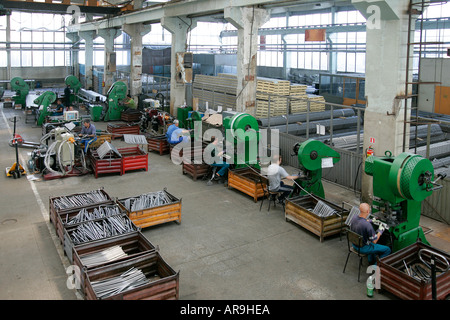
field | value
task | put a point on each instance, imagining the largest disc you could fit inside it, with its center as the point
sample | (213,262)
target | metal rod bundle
(323,210)
(79,200)
(130,279)
(97,230)
(98,213)
(145,201)
(107,255)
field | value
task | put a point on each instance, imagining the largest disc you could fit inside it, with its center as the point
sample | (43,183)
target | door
(442,100)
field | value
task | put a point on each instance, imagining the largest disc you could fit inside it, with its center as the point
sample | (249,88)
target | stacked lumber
(298,91)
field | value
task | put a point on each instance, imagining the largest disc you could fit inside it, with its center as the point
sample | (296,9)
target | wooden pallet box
(109,164)
(247,181)
(54,210)
(155,215)
(195,170)
(70,244)
(118,129)
(133,158)
(163,284)
(130,116)
(393,276)
(133,244)
(299,210)
(63,217)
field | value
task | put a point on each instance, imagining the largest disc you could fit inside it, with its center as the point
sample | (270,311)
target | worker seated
(88,134)
(130,104)
(275,173)
(59,110)
(214,156)
(362,226)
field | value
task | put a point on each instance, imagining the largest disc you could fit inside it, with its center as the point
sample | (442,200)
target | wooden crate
(107,165)
(155,215)
(130,116)
(69,245)
(247,181)
(62,218)
(297,210)
(54,211)
(394,279)
(195,170)
(158,144)
(133,244)
(133,158)
(165,285)
(118,129)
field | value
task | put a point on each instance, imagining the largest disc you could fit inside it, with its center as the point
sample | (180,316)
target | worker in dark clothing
(67,94)
(362,226)
(59,110)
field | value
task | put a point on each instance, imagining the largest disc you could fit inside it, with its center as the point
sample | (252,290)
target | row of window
(39,40)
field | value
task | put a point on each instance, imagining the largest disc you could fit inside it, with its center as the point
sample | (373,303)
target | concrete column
(179,28)
(110,62)
(75,38)
(136,32)
(8,48)
(247,20)
(88,37)
(386,63)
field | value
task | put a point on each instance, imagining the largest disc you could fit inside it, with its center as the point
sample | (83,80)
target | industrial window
(36,39)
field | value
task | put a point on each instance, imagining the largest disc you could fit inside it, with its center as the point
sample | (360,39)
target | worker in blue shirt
(88,134)
(171,128)
(362,226)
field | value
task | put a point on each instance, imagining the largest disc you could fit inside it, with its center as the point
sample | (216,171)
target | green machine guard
(44,100)
(116,93)
(312,156)
(242,131)
(400,184)
(22,89)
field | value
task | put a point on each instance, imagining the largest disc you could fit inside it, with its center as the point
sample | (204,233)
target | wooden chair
(357,240)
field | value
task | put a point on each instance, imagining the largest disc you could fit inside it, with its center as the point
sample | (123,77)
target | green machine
(183,116)
(242,131)
(400,184)
(75,85)
(44,100)
(313,157)
(194,123)
(116,93)
(22,89)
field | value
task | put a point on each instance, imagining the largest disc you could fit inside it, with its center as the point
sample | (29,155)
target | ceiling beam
(55,8)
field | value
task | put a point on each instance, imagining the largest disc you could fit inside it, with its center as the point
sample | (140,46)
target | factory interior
(140,139)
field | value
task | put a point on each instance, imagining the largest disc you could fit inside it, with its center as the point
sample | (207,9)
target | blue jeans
(87,142)
(223,168)
(373,250)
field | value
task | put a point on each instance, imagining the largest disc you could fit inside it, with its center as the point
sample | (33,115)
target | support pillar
(88,37)
(110,58)
(136,32)
(179,27)
(75,38)
(386,69)
(247,20)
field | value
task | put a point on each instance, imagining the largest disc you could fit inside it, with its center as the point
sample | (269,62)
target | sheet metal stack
(216,90)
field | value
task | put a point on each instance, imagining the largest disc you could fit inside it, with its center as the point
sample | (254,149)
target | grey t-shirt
(275,173)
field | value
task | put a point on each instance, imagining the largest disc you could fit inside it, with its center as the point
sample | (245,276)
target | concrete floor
(225,247)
